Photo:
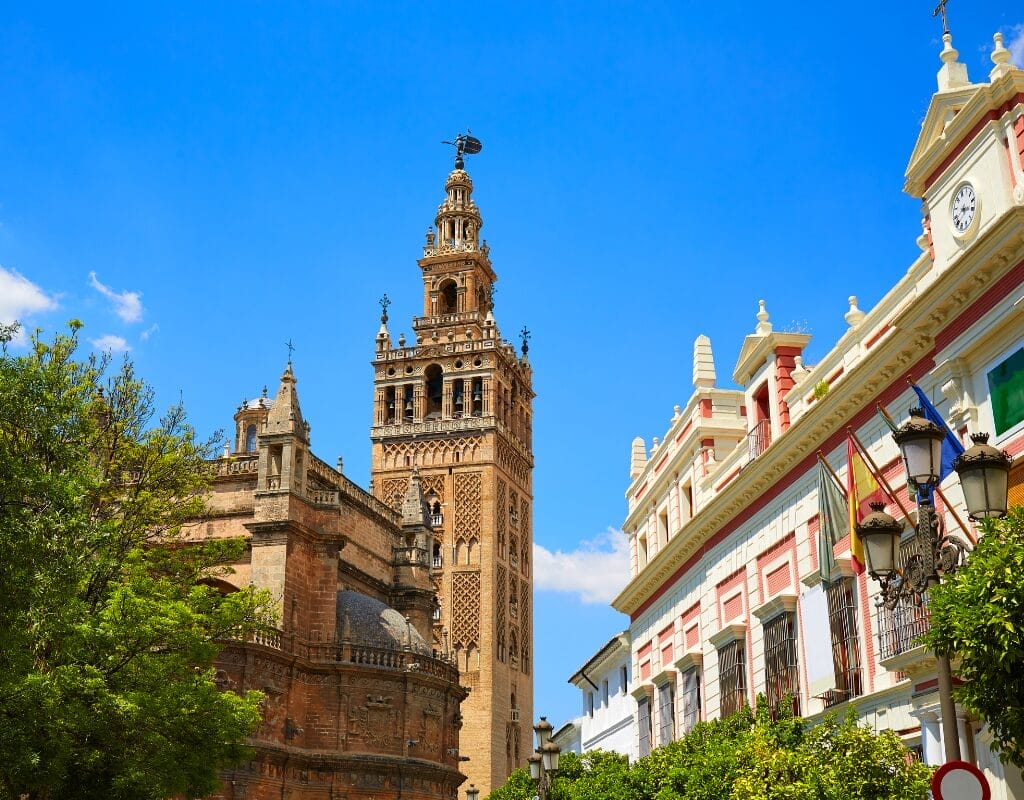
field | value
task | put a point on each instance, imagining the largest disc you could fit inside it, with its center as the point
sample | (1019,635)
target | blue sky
(200,185)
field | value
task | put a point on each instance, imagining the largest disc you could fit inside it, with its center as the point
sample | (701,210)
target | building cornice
(822,426)
(617,646)
(937,155)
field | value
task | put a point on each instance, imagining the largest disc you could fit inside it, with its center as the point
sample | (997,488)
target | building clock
(965,206)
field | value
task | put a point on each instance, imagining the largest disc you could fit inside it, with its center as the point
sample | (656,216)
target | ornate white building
(726,591)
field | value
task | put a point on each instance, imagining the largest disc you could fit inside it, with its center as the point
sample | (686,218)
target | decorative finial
(800,371)
(291,349)
(764,327)
(264,395)
(525,335)
(1000,57)
(385,301)
(464,144)
(854,316)
(941,9)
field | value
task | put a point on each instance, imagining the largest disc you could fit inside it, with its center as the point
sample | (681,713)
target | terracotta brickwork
(457,405)
(358,703)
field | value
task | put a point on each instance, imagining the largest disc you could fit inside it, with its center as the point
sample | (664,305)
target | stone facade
(359,705)
(456,404)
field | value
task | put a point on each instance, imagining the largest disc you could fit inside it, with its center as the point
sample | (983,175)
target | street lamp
(544,762)
(983,472)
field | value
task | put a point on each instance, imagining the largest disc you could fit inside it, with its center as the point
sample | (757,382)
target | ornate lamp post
(983,472)
(544,761)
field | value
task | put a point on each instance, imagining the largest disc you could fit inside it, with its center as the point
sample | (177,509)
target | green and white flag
(833,520)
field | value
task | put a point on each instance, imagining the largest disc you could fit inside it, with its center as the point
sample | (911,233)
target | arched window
(389,404)
(458,398)
(449,298)
(250,439)
(435,386)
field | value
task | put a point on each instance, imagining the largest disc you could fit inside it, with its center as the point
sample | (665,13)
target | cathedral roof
(368,621)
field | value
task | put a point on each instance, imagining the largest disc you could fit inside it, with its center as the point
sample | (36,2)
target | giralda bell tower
(456,405)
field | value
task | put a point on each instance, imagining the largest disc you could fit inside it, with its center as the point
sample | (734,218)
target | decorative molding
(692,659)
(734,631)
(781,603)
(667,675)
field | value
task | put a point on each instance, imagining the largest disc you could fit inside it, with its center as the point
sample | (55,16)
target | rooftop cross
(525,333)
(941,9)
(291,349)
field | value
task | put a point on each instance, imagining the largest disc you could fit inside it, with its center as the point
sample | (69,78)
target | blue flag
(951,446)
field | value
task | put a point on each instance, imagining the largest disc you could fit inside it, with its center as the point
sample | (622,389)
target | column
(931,738)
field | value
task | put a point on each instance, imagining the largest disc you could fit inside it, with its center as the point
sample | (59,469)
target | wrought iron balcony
(899,628)
(759,438)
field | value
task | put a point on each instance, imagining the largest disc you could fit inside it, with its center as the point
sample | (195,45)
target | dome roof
(259,402)
(458,177)
(372,622)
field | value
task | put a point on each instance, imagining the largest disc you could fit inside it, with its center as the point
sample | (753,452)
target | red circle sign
(960,780)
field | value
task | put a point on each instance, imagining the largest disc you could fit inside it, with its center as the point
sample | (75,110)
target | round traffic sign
(960,780)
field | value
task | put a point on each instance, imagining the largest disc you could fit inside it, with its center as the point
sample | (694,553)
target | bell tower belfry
(455,405)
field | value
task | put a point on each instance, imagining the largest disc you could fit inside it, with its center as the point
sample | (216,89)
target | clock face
(965,203)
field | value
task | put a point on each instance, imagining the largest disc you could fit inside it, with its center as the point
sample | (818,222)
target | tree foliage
(108,632)
(747,756)
(977,617)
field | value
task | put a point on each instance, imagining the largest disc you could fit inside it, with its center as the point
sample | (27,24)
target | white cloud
(154,328)
(596,570)
(19,297)
(127,305)
(109,343)
(1016,45)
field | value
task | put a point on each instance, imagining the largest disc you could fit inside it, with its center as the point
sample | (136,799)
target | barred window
(781,672)
(689,700)
(732,684)
(842,620)
(666,713)
(643,715)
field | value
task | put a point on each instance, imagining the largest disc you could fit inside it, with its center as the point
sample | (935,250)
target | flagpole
(877,473)
(949,507)
(828,466)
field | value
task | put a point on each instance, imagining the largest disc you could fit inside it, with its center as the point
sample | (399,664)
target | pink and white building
(726,598)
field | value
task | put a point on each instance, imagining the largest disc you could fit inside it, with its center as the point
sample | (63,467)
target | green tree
(595,775)
(748,756)
(108,625)
(977,618)
(519,786)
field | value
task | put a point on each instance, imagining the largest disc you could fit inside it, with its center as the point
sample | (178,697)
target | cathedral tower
(456,406)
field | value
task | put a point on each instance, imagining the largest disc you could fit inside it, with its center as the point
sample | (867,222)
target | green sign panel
(1006,387)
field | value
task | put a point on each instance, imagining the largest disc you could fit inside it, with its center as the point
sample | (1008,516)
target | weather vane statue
(464,144)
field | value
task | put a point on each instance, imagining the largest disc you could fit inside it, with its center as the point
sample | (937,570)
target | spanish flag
(862,489)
